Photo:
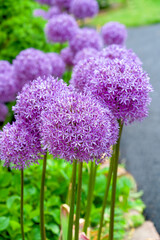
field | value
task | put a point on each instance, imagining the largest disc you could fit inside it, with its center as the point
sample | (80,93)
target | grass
(135,13)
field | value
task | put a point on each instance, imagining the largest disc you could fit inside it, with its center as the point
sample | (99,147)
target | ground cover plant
(78,120)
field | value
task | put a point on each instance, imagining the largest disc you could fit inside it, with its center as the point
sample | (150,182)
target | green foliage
(20,29)
(58,177)
(130,13)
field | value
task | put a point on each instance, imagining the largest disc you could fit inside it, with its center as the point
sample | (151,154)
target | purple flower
(123,87)
(3,112)
(67,56)
(33,97)
(61,28)
(18,146)
(115,51)
(30,64)
(63,4)
(85,53)
(53,11)
(114,33)
(76,126)
(8,86)
(40,13)
(57,63)
(84,70)
(47,2)
(84,8)
(85,38)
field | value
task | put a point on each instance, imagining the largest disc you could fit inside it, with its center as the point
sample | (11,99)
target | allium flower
(40,13)
(114,33)
(67,56)
(47,2)
(61,28)
(115,51)
(3,112)
(84,70)
(85,38)
(57,63)
(18,146)
(63,3)
(122,87)
(84,8)
(53,11)
(30,64)
(75,126)
(85,53)
(33,97)
(8,87)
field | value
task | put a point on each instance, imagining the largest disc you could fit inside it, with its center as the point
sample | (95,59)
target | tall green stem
(106,194)
(42,222)
(115,168)
(78,205)
(22,188)
(70,225)
(91,184)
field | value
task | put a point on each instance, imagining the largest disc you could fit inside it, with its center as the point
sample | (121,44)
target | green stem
(106,195)
(42,222)
(113,197)
(91,184)
(70,225)
(22,188)
(78,200)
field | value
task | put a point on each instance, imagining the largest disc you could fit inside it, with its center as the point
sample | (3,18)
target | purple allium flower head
(47,2)
(40,13)
(67,56)
(58,65)
(63,4)
(8,87)
(114,33)
(122,87)
(84,8)
(61,28)
(3,112)
(76,126)
(85,53)
(84,70)
(115,51)
(53,11)
(33,97)
(84,38)
(18,146)
(30,64)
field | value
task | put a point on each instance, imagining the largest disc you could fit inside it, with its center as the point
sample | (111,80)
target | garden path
(140,145)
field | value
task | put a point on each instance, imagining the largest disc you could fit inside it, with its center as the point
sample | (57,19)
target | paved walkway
(140,144)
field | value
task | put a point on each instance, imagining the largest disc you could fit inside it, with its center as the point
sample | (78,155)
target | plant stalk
(71,215)
(78,205)
(106,194)
(42,221)
(91,184)
(113,197)
(21,219)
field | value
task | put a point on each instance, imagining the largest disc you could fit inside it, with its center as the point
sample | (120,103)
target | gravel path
(140,144)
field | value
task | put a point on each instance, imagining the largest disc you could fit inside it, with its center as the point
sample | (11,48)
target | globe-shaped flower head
(123,87)
(3,112)
(85,38)
(115,51)
(61,28)
(114,33)
(84,8)
(67,56)
(30,64)
(47,2)
(40,13)
(63,4)
(53,11)
(57,63)
(77,127)
(85,53)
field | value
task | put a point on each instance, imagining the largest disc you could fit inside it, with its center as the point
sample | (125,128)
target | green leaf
(5,179)
(14,225)
(11,200)
(4,223)
(53,228)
